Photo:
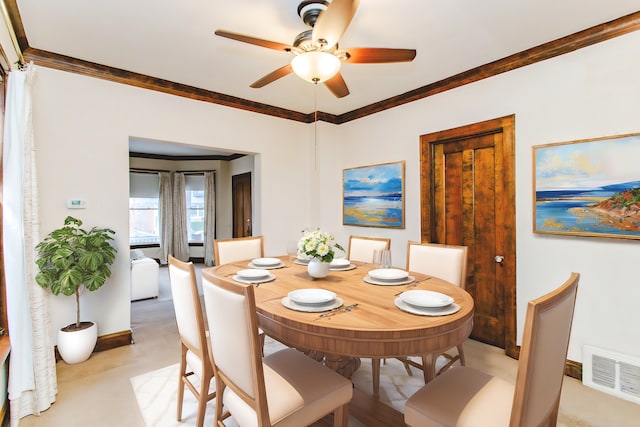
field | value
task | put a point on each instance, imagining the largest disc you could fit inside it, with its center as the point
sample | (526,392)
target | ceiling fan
(317,57)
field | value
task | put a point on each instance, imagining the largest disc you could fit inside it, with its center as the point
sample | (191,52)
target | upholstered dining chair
(447,262)
(195,356)
(463,396)
(286,388)
(361,248)
(226,251)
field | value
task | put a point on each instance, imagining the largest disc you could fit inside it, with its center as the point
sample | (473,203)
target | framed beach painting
(588,188)
(373,196)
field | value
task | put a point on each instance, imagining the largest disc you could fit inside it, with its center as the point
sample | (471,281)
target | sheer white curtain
(180,232)
(166,217)
(209,216)
(32,372)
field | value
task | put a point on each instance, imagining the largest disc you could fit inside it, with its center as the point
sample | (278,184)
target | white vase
(317,268)
(77,346)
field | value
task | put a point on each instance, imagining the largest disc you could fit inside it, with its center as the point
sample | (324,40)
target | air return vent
(612,373)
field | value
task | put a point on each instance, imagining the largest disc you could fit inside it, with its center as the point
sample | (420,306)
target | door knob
(499,259)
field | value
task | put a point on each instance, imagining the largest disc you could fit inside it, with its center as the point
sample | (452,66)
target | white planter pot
(318,269)
(77,346)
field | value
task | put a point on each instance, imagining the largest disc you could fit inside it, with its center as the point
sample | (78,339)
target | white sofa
(144,276)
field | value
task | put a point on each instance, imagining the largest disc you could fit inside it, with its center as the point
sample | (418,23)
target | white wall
(589,93)
(82,127)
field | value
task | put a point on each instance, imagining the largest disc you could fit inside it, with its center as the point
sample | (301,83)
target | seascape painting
(588,188)
(373,196)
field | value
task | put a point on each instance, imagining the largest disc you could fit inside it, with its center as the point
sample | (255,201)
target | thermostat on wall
(76,204)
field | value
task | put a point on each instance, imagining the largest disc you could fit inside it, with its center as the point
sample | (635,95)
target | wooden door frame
(505,204)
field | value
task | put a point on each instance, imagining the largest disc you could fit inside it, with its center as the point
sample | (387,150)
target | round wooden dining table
(374,328)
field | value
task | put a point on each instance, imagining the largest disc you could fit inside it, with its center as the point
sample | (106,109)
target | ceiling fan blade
(337,86)
(272,76)
(333,22)
(372,55)
(255,41)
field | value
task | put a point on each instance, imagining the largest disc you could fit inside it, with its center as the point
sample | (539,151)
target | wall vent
(612,373)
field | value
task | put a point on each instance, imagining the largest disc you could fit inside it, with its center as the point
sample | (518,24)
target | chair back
(226,251)
(447,262)
(188,310)
(544,351)
(235,344)
(361,248)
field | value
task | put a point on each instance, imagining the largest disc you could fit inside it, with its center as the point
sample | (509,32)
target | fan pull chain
(315,127)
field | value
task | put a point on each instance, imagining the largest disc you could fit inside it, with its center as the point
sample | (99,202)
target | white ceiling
(174,40)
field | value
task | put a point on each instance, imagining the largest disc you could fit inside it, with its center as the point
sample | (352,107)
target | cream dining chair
(285,388)
(447,262)
(226,251)
(361,248)
(195,358)
(466,397)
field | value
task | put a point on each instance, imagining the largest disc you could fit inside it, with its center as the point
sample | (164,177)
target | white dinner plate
(340,263)
(388,274)
(313,296)
(312,308)
(302,260)
(267,278)
(266,262)
(373,281)
(425,311)
(252,273)
(426,299)
(265,267)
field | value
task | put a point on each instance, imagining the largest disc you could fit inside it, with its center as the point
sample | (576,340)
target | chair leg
(203,398)
(181,386)
(429,366)
(460,348)
(375,376)
(341,416)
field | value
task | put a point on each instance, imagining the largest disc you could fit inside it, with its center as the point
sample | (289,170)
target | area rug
(156,392)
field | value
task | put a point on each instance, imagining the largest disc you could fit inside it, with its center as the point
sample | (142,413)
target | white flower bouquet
(318,244)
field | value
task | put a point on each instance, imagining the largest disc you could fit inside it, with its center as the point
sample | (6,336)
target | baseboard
(573,369)
(109,341)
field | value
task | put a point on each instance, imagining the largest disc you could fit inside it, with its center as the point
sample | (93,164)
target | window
(144,210)
(194,185)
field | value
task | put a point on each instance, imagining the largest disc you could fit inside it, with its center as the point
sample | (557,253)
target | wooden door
(468,198)
(241,194)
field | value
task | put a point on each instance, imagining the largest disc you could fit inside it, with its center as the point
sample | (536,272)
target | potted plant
(320,248)
(70,259)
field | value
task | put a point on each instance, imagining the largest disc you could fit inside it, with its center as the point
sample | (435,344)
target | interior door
(468,198)
(241,195)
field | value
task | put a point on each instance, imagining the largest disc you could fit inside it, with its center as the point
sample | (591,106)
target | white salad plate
(426,299)
(252,274)
(264,279)
(426,311)
(388,274)
(266,262)
(404,281)
(312,296)
(317,308)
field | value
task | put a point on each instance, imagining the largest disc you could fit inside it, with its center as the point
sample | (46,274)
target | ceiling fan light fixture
(315,66)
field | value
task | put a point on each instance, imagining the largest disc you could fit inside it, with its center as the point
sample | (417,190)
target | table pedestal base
(345,366)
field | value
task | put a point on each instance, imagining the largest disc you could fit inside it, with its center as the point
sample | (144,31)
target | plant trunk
(78,308)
